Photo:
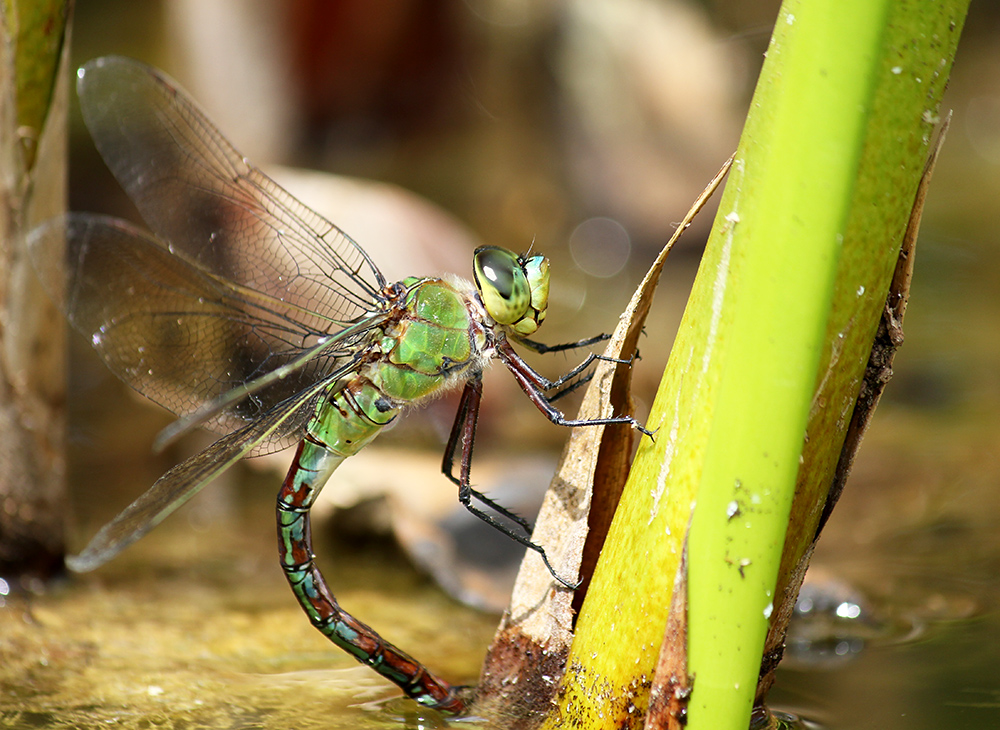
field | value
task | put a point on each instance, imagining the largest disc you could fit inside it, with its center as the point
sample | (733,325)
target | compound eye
(536,271)
(502,284)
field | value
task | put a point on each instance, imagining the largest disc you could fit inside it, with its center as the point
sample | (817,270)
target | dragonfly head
(514,289)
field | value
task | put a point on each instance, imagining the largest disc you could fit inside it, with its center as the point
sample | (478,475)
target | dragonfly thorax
(514,289)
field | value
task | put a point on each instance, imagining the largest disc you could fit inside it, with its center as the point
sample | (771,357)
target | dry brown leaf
(528,653)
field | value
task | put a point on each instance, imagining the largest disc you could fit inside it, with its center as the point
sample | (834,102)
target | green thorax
(435,340)
(437,337)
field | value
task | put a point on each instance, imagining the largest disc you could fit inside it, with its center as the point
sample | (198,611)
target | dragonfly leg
(542,348)
(551,397)
(534,386)
(464,427)
(546,384)
(311,467)
(464,431)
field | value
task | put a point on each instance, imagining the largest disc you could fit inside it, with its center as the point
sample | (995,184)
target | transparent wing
(182,336)
(186,479)
(211,206)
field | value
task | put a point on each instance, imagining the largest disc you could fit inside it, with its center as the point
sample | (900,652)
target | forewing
(199,195)
(177,334)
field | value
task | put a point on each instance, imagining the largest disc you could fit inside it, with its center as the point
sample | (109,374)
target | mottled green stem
(32,344)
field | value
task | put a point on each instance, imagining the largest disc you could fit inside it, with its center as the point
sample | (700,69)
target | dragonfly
(248,313)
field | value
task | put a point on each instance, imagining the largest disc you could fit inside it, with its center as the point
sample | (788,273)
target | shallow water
(199,629)
(915,546)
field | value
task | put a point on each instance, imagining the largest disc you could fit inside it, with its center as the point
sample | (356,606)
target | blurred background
(583,129)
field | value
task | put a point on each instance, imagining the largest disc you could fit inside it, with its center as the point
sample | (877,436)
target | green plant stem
(766,367)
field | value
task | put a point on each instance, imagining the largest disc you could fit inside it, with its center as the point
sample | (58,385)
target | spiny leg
(545,384)
(311,467)
(548,385)
(464,429)
(551,398)
(542,348)
(534,386)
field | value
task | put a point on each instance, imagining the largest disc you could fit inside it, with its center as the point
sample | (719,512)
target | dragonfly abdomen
(350,416)
(314,463)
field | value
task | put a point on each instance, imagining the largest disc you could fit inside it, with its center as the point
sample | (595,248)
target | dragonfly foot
(572,585)
(643,430)
(619,360)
